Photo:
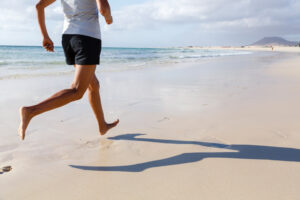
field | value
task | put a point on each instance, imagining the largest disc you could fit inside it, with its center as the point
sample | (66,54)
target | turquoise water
(30,61)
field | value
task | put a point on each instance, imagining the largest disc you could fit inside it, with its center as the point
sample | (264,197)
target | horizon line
(11,45)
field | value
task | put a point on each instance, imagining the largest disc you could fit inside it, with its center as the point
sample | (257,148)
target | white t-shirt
(81,17)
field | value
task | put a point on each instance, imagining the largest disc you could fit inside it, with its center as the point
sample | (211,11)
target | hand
(105,12)
(48,44)
(109,19)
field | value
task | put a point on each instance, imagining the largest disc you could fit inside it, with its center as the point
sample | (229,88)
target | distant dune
(274,41)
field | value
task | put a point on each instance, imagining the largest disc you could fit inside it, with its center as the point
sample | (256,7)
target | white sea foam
(24,62)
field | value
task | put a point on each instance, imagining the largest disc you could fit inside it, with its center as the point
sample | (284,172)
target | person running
(81,41)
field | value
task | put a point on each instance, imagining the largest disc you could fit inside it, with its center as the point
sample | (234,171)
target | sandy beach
(270,48)
(220,128)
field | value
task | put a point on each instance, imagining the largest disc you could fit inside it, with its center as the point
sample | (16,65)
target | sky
(163,23)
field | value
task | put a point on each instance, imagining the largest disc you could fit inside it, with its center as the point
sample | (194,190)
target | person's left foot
(104,130)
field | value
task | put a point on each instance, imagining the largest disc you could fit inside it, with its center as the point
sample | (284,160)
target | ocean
(32,61)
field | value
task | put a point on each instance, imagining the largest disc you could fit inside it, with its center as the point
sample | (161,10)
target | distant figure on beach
(81,41)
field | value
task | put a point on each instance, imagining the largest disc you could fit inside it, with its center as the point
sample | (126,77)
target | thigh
(94,81)
(84,74)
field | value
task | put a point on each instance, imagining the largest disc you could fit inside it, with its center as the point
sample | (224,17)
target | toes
(116,122)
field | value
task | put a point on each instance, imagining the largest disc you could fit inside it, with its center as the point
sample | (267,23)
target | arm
(104,9)
(40,9)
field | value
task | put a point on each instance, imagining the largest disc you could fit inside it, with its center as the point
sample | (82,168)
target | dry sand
(222,128)
(254,48)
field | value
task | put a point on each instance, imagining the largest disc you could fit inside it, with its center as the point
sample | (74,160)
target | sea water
(33,61)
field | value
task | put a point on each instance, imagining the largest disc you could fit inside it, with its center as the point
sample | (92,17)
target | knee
(94,85)
(77,93)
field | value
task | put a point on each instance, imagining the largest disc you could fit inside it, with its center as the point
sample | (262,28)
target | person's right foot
(25,119)
(104,130)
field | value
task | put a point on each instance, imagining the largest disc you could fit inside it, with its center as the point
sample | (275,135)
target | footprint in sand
(102,143)
(91,144)
(105,143)
(163,119)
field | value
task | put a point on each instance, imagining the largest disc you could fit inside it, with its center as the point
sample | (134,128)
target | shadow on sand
(239,152)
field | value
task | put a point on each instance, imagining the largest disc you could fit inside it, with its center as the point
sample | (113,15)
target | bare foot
(108,126)
(25,119)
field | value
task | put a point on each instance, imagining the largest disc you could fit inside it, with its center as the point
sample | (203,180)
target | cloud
(19,15)
(209,14)
(167,22)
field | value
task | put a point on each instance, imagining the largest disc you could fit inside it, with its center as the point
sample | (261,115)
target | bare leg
(95,101)
(82,79)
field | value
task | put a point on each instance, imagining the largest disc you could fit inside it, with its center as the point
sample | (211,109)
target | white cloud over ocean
(211,13)
(170,22)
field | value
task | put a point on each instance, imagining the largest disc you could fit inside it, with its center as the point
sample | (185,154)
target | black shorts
(81,49)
